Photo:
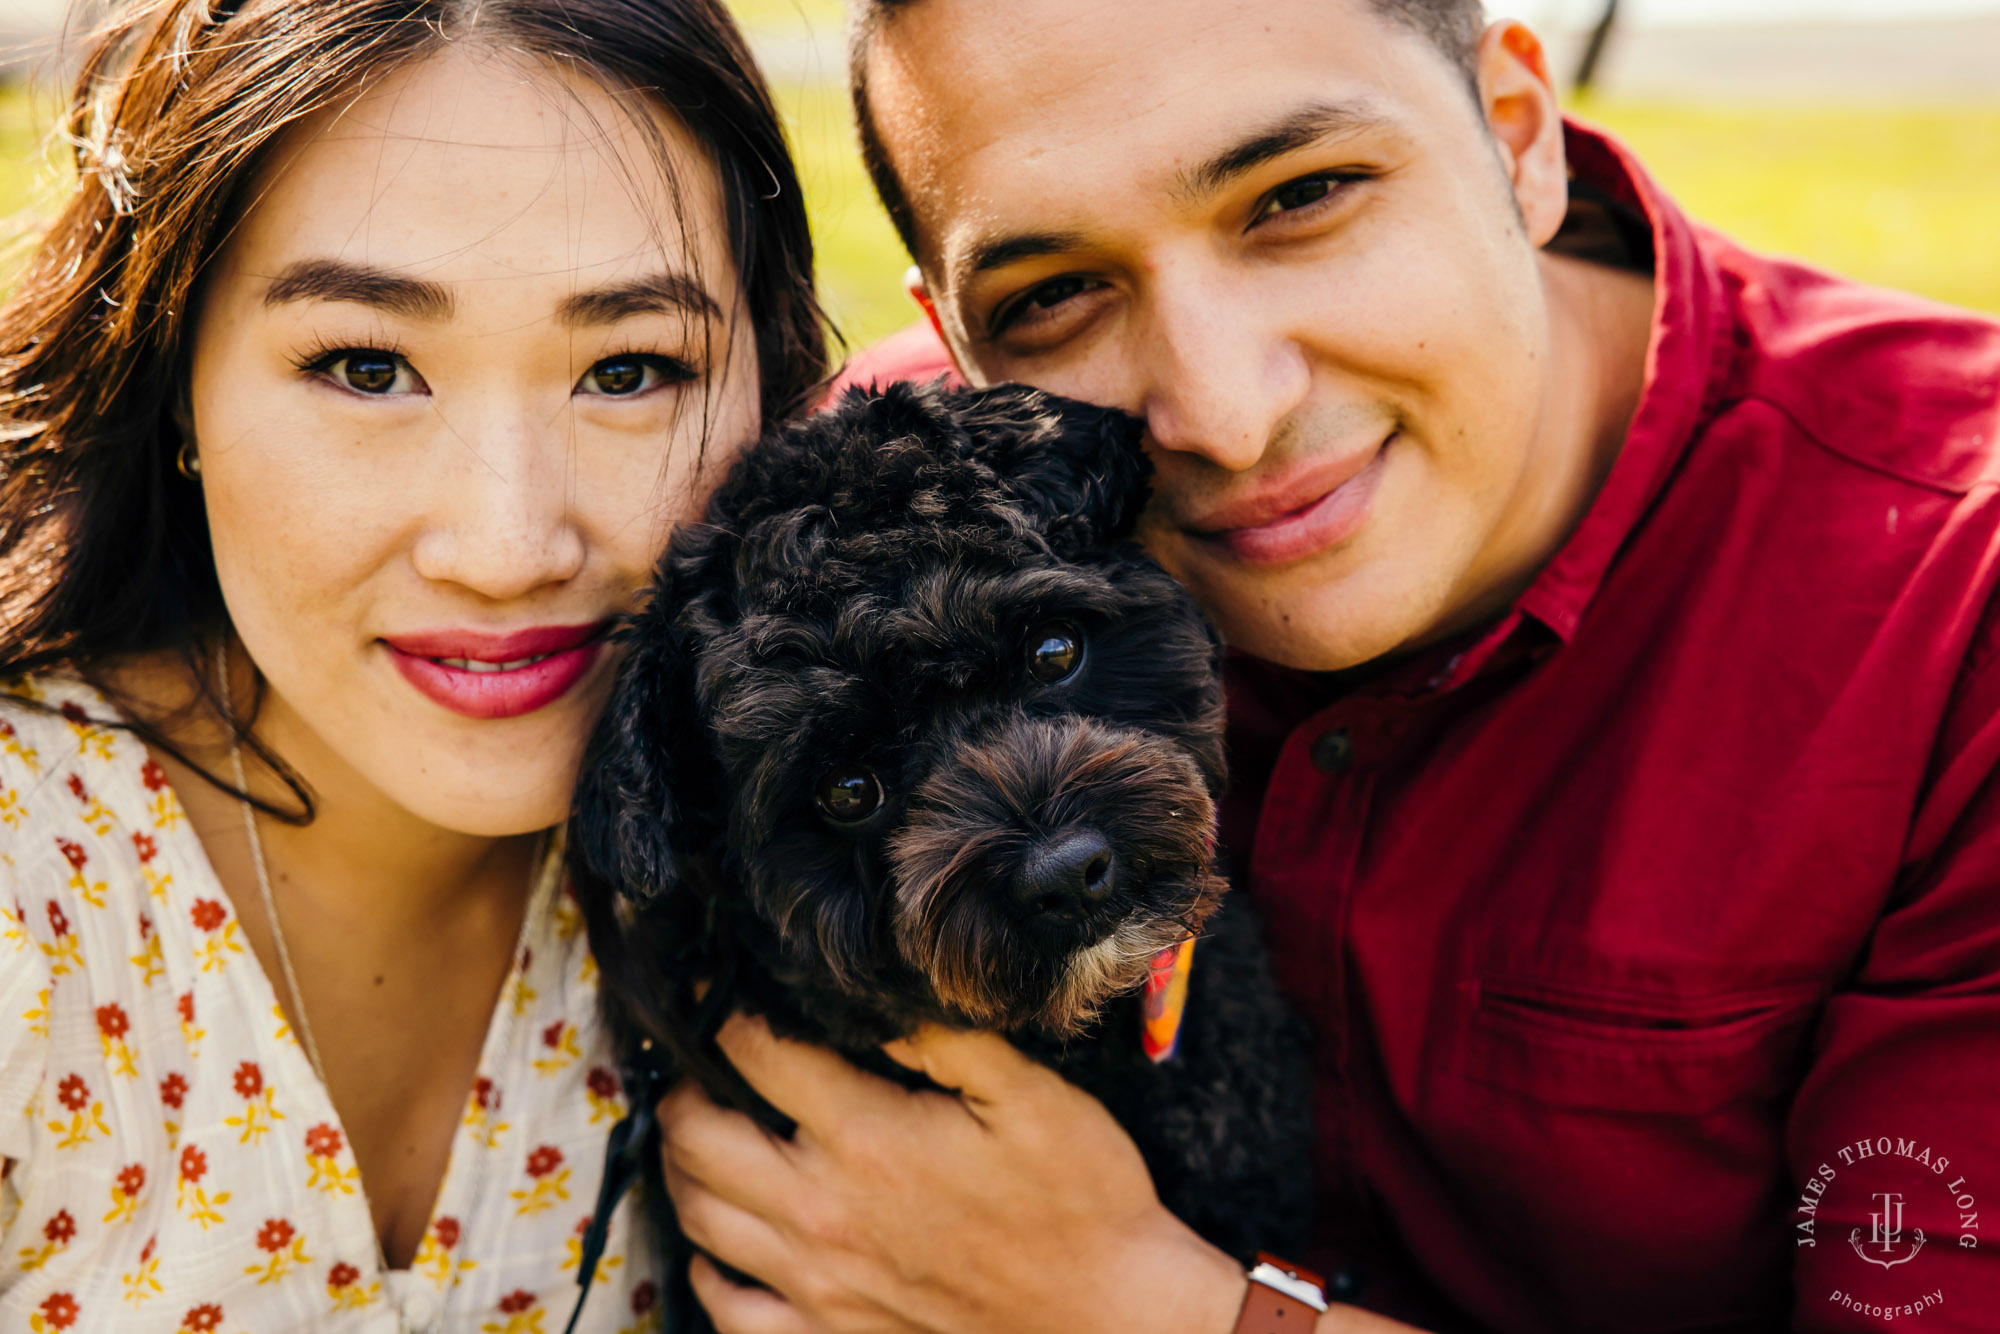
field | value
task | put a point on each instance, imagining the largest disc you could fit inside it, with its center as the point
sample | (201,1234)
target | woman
(346,405)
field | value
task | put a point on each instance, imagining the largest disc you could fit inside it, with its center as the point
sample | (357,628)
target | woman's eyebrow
(659,293)
(340,280)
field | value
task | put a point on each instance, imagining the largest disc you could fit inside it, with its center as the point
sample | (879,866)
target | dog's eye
(1055,651)
(849,794)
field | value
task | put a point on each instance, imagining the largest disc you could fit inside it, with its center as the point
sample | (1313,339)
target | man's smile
(1310,508)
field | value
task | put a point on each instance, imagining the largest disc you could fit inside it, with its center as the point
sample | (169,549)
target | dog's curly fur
(863,597)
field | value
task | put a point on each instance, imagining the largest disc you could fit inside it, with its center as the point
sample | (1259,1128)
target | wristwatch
(1283,1298)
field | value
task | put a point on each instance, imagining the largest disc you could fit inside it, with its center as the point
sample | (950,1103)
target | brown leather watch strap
(1268,1311)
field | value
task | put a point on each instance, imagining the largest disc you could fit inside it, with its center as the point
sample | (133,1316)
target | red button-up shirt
(1652,935)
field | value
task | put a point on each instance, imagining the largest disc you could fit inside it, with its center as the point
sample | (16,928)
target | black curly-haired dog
(911,731)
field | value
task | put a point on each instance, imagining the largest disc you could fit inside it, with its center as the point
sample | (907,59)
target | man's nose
(499,521)
(1217,374)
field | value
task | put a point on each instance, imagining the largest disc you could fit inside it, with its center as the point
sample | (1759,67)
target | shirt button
(1333,752)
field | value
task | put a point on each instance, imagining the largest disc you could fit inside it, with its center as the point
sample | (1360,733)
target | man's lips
(1299,514)
(480,674)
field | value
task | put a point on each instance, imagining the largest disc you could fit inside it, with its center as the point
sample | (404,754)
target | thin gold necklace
(298,1009)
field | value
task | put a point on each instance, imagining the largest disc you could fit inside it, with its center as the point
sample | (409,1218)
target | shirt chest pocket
(1588,1049)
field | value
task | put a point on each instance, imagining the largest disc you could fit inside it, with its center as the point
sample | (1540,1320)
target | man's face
(1288,235)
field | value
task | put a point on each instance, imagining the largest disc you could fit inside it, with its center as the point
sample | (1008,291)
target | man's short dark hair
(1453,26)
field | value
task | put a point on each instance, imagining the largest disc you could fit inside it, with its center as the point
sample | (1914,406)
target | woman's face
(451,379)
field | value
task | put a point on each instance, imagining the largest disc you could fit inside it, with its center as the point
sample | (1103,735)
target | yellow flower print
(162,805)
(324,1144)
(112,1026)
(345,1288)
(96,817)
(283,1247)
(173,1092)
(57,1233)
(434,1254)
(606,1102)
(11,744)
(219,932)
(566,917)
(38,1017)
(522,1315)
(573,1254)
(11,810)
(58,1311)
(646,1309)
(90,891)
(125,1188)
(64,952)
(90,738)
(520,992)
(559,1042)
(548,1181)
(258,1113)
(157,880)
(144,1282)
(482,1113)
(190,1035)
(14,926)
(149,960)
(191,1198)
(86,1116)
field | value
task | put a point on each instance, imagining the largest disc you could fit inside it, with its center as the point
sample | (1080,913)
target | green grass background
(1904,196)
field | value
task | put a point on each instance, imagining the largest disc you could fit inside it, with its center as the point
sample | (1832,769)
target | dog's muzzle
(1044,864)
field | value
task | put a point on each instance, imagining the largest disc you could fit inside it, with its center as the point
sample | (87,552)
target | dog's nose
(1065,876)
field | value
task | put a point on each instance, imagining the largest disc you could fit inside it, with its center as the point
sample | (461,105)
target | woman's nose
(498,519)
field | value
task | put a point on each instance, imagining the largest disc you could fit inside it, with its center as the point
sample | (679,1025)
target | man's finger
(723,1150)
(982,1067)
(729,1232)
(812,1085)
(740,1310)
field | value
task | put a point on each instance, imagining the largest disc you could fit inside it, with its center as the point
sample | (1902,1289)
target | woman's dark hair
(104,546)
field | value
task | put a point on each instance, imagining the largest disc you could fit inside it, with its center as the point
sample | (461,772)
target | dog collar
(1164,1001)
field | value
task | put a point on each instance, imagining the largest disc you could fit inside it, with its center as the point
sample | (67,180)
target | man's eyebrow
(1005,250)
(339,280)
(1309,125)
(659,293)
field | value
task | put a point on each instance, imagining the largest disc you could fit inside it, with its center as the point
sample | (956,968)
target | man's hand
(1015,1206)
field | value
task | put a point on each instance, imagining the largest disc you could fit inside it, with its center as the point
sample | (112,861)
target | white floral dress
(171,1161)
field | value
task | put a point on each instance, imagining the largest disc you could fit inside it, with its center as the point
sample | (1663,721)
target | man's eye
(1294,195)
(634,373)
(1033,304)
(371,372)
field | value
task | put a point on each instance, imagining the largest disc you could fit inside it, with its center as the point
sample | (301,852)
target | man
(1614,702)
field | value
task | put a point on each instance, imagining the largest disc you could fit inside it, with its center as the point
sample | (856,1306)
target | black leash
(624,1159)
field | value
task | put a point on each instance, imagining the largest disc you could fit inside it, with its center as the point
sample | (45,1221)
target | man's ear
(1077,467)
(631,816)
(919,291)
(1525,118)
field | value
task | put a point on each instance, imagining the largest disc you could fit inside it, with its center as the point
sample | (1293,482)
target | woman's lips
(483,675)
(1329,517)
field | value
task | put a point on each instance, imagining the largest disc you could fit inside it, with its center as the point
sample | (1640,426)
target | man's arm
(1015,1207)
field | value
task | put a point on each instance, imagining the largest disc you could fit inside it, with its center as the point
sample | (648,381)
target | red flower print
(111,1021)
(601,1082)
(552,1035)
(544,1160)
(145,926)
(202,1318)
(644,1296)
(57,922)
(77,789)
(323,1141)
(60,1229)
(485,1094)
(131,1179)
(275,1235)
(173,1089)
(446,1231)
(74,712)
(146,1251)
(186,1006)
(153,776)
(341,1276)
(527,957)
(194,1164)
(517,1301)
(208,914)
(73,1093)
(72,853)
(145,845)
(249,1080)
(59,1308)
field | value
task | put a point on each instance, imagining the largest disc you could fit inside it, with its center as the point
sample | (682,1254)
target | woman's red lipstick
(483,675)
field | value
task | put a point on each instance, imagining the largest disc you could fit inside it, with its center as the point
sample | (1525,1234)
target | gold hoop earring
(188,462)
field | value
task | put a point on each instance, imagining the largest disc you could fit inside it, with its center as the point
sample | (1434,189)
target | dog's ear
(1078,469)
(630,818)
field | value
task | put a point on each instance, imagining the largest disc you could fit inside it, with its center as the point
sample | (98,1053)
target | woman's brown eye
(1055,651)
(369,373)
(625,375)
(849,794)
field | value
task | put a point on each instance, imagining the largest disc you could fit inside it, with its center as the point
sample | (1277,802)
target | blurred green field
(1904,196)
